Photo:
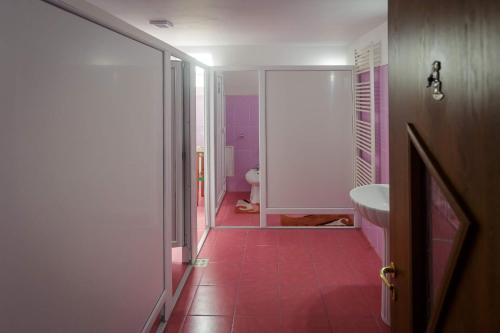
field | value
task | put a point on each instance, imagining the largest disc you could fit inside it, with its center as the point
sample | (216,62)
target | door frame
(207,156)
(261,70)
(421,162)
(215,115)
(178,235)
(264,210)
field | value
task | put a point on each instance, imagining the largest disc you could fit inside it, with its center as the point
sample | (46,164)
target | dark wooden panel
(462,132)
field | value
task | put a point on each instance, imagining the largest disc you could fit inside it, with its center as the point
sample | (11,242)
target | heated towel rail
(365,61)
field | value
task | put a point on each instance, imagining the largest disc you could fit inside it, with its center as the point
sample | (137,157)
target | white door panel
(178,230)
(309,138)
(81,174)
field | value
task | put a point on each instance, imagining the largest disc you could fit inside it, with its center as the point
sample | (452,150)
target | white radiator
(365,61)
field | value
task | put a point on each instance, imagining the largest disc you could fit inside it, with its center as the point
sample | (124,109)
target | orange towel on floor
(316,220)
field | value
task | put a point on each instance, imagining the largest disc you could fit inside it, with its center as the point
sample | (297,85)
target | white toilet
(253,178)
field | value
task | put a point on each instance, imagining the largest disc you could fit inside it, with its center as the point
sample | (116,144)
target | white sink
(372,202)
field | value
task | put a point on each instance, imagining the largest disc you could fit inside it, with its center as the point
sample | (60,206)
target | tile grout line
(196,287)
(316,274)
(181,328)
(236,298)
(305,241)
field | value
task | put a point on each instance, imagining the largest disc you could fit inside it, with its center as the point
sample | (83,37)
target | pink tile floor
(178,267)
(293,281)
(226,216)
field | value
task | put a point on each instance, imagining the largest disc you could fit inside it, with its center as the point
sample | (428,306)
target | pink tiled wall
(242,132)
(374,234)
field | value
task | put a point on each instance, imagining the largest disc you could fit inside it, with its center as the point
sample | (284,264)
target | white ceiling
(252,22)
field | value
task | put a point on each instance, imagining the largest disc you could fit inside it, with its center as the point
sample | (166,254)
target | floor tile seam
(238,287)
(188,311)
(323,300)
(260,283)
(285,244)
(185,319)
(202,315)
(351,265)
(282,258)
(183,322)
(364,298)
(202,275)
(281,314)
(236,299)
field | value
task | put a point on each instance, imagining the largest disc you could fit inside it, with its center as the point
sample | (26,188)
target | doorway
(201,156)
(189,166)
(237,149)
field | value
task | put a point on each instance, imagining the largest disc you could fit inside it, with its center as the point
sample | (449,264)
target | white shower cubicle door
(306,139)
(85,144)
(220,143)
(178,168)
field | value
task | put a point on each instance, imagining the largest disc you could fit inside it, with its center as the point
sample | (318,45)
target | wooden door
(445,153)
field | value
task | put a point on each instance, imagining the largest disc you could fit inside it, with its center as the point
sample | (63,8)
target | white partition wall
(220,139)
(82,236)
(306,140)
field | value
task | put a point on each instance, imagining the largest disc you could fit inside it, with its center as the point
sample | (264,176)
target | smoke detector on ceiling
(164,24)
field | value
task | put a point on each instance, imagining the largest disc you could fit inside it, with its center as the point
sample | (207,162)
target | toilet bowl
(253,178)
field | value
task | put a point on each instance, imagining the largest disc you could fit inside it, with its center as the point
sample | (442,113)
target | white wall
(251,56)
(241,83)
(378,34)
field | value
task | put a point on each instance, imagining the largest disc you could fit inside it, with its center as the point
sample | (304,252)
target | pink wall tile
(242,132)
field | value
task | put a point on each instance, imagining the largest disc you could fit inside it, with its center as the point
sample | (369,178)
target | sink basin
(372,202)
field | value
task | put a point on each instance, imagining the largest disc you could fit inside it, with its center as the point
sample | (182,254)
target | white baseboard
(160,305)
(310,211)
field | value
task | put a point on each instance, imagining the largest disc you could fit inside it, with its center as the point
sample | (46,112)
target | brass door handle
(391,269)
